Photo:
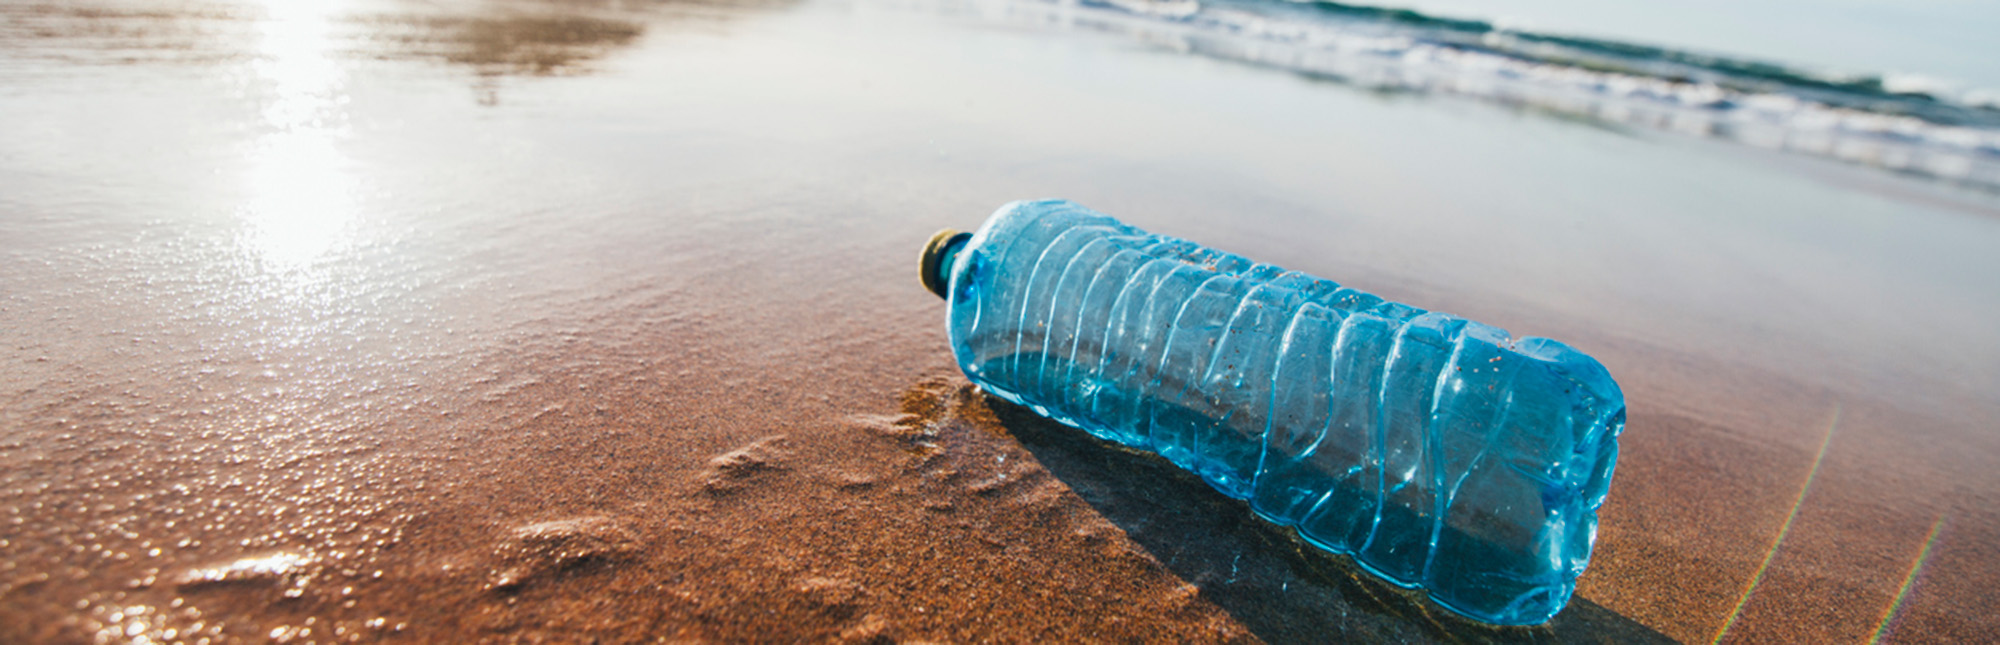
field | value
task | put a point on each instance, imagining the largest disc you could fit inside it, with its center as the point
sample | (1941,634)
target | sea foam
(1903,123)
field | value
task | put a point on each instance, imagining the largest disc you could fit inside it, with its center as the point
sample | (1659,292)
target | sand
(559,322)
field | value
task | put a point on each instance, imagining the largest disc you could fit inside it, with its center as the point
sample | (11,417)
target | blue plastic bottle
(1437,451)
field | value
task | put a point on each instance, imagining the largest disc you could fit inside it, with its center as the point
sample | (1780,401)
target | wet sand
(528,322)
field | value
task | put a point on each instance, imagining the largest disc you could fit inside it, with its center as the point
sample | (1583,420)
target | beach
(572,321)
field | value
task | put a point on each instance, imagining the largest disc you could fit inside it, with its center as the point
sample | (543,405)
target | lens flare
(1909,580)
(1783,530)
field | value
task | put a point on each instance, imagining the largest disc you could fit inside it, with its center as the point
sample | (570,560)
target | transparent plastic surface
(1439,452)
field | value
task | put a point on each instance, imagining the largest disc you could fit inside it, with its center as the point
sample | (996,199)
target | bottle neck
(939,255)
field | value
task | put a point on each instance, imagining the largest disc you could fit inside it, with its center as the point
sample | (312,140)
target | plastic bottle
(1437,451)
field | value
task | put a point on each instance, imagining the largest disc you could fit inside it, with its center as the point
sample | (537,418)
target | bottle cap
(930,269)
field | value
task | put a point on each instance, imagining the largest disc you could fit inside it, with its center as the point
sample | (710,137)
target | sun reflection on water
(299,186)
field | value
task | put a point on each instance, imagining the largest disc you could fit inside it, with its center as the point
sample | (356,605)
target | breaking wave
(1903,124)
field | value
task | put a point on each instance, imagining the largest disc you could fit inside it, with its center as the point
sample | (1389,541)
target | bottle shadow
(1283,589)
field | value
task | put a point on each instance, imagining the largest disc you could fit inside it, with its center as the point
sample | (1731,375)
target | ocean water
(1908,112)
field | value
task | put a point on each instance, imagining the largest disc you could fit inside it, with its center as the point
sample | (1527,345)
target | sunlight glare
(299,184)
